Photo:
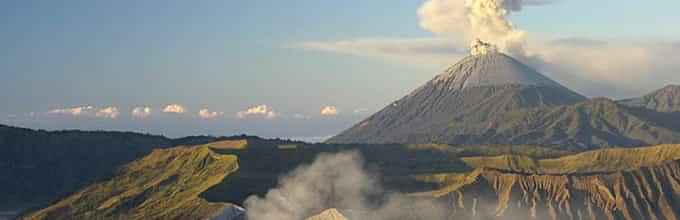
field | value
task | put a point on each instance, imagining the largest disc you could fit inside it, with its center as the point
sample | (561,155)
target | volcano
(465,100)
(492,98)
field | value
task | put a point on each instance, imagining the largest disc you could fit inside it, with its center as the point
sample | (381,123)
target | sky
(295,69)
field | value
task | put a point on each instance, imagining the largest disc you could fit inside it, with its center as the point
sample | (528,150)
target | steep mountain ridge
(163,185)
(597,161)
(634,183)
(492,98)
(598,122)
(473,91)
(491,69)
(644,193)
(666,99)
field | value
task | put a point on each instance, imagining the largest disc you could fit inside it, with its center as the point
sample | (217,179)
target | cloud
(329,111)
(141,112)
(174,108)
(337,181)
(361,111)
(429,51)
(108,112)
(207,114)
(615,68)
(601,68)
(468,20)
(594,67)
(74,111)
(260,111)
(85,111)
(301,116)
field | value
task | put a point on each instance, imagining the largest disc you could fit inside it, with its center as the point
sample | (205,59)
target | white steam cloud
(260,111)
(614,68)
(329,111)
(337,181)
(207,114)
(467,20)
(108,112)
(74,111)
(174,108)
(435,51)
(141,112)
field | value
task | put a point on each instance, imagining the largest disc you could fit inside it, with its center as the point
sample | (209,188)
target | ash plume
(466,20)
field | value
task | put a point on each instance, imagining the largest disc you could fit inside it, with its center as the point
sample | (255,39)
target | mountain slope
(666,99)
(597,161)
(475,89)
(163,185)
(594,123)
(37,166)
(644,193)
(493,99)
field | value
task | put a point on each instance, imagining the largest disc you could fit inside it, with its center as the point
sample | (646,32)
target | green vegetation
(163,185)
(38,166)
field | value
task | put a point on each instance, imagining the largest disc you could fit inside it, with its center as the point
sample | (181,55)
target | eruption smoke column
(471,19)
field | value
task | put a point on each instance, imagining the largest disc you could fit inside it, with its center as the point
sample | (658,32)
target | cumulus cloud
(74,111)
(141,112)
(174,108)
(259,111)
(329,111)
(108,112)
(207,114)
(337,181)
(85,111)
(468,20)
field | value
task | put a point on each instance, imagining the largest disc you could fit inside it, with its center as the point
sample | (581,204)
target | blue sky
(228,56)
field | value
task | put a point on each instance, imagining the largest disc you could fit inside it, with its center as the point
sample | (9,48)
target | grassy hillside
(37,166)
(606,160)
(163,185)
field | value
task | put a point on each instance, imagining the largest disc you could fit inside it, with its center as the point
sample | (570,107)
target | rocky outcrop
(644,193)
(666,99)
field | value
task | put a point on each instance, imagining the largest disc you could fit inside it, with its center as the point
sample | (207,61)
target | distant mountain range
(494,99)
